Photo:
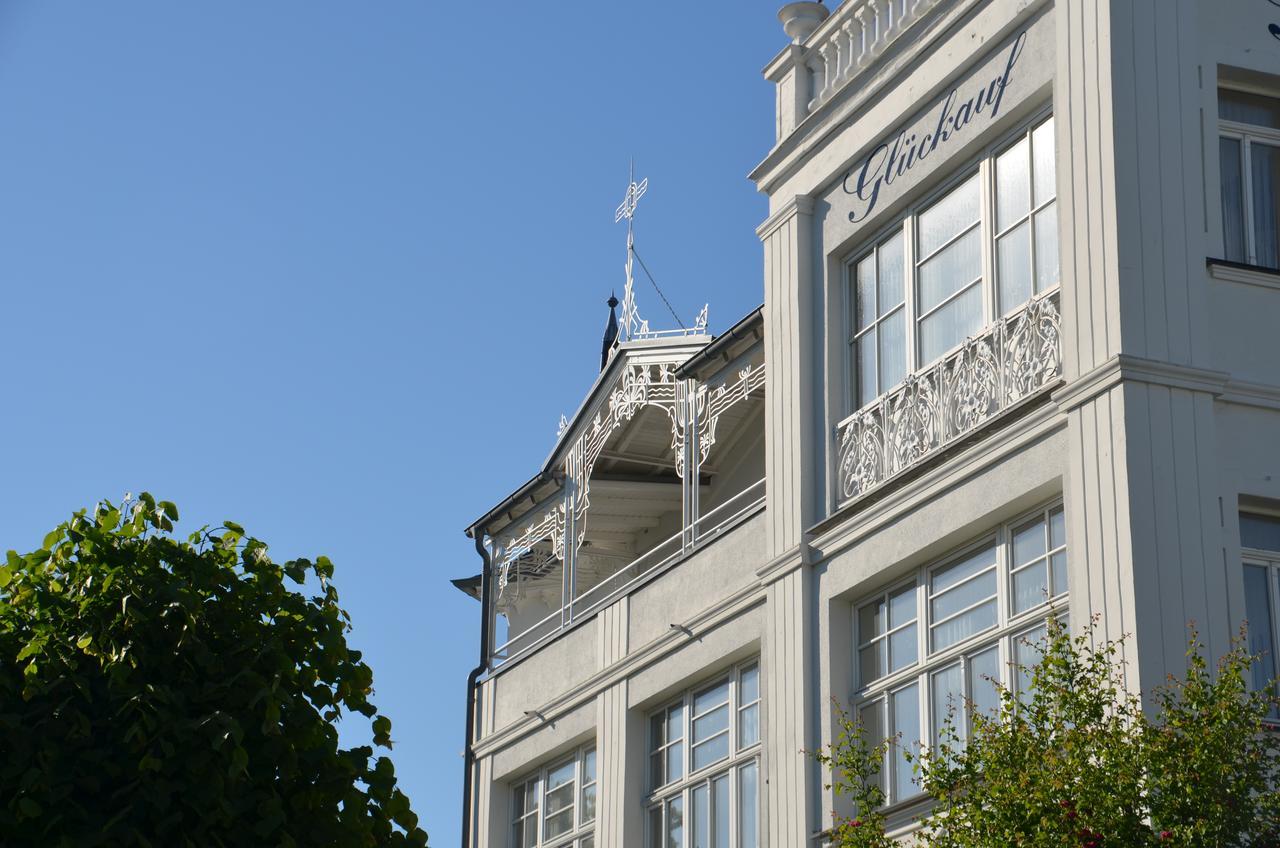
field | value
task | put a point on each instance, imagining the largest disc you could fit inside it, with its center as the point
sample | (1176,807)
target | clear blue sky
(334,270)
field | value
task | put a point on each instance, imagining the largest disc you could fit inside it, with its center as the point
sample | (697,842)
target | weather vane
(632,323)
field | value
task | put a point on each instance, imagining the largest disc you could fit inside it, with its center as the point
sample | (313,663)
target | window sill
(1240,272)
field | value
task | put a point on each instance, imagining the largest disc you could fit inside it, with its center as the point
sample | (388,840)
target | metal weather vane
(632,324)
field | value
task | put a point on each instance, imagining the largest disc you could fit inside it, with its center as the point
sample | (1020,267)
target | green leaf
(5,576)
(52,538)
(84,641)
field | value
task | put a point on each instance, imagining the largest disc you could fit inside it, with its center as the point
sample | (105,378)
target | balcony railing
(1008,362)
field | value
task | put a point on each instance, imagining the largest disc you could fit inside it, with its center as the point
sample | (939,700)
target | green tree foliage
(160,692)
(1077,761)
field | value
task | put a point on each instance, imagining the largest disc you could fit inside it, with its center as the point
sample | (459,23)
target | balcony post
(690,460)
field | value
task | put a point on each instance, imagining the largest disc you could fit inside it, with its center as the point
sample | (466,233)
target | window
(935,645)
(1260,539)
(704,765)
(1249,156)
(557,806)
(955,263)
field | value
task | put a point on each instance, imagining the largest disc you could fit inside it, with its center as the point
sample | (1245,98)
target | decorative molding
(1008,362)
(801,204)
(1125,367)
(1249,275)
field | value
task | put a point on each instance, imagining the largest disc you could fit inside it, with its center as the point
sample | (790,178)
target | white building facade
(1019,356)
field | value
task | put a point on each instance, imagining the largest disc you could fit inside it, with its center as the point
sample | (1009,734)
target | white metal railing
(705,528)
(1008,362)
(855,34)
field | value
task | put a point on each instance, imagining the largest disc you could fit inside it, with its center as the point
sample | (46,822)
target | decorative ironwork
(711,404)
(1006,363)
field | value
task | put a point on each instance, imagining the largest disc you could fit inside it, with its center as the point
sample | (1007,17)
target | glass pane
(964,595)
(589,803)
(871,621)
(868,388)
(902,648)
(950,325)
(709,698)
(749,685)
(1232,175)
(589,767)
(1013,185)
(1043,162)
(656,776)
(657,731)
(891,262)
(963,626)
(961,570)
(1266,204)
(701,816)
(1261,532)
(1028,648)
(720,811)
(1058,563)
(869,716)
(588,841)
(1257,610)
(1013,267)
(871,662)
(1028,542)
(1057,529)
(984,674)
(748,795)
(526,835)
(1030,587)
(675,762)
(712,751)
(955,267)
(560,775)
(675,722)
(559,824)
(675,823)
(893,350)
(947,694)
(902,606)
(1246,108)
(655,827)
(865,275)
(1048,274)
(749,726)
(906,722)
(704,727)
(949,216)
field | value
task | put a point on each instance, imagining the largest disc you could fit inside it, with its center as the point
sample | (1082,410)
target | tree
(1077,761)
(161,692)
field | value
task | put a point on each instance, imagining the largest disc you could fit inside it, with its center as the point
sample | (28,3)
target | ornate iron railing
(1008,362)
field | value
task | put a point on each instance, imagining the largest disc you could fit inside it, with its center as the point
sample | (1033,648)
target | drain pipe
(469,754)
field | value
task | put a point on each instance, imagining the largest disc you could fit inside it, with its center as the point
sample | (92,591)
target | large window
(1249,154)
(932,645)
(980,250)
(1260,539)
(704,765)
(557,806)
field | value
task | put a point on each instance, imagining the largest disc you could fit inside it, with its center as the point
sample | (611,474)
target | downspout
(469,754)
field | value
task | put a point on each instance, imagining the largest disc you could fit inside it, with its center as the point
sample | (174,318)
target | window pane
(1261,532)
(709,698)
(868,388)
(963,626)
(1246,108)
(906,722)
(1013,185)
(749,685)
(675,762)
(1030,587)
(1057,529)
(949,216)
(675,823)
(559,824)
(891,267)
(675,722)
(749,726)
(871,662)
(1059,565)
(1232,175)
(1048,274)
(720,811)
(706,726)
(902,606)
(1042,149)
(1266,204)
(655,827)
(1257,609)
(1013,267)
(701,816)
(950,325)
(869,716)
(1028,649)
(984,674)
(902,648)
(1028,542)
(588,841)
(961,570)
(657,731)
(947,693)
(865,275)
(712,751)
(589,803)
(871,621)
(893,350)
(748,794)
(964,595)
(955,267)
(526,835)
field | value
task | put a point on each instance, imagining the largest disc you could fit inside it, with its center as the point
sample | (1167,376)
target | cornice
(1126,367)
(801,204)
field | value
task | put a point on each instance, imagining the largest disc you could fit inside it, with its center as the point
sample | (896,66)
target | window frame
(1247,135)
(1269,561)
(657,798)
(906,222)
(582,833)
(1004,634)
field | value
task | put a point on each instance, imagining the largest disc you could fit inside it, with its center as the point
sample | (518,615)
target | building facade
(1019,356)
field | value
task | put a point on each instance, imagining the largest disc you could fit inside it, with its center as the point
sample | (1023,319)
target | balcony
(999,369)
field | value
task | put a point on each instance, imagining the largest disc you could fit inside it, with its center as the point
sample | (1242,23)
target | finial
(610,332)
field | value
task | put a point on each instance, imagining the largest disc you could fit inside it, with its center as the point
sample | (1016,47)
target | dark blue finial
(610,331)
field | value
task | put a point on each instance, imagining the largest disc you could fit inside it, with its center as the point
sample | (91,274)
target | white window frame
(658,798)
(1247,135)
(1269,561)
(1008,629)
(582,834)
(984,165)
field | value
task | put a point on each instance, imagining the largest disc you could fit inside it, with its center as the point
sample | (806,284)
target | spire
(610,332)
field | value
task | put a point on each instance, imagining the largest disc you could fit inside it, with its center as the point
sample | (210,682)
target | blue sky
(334,270)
